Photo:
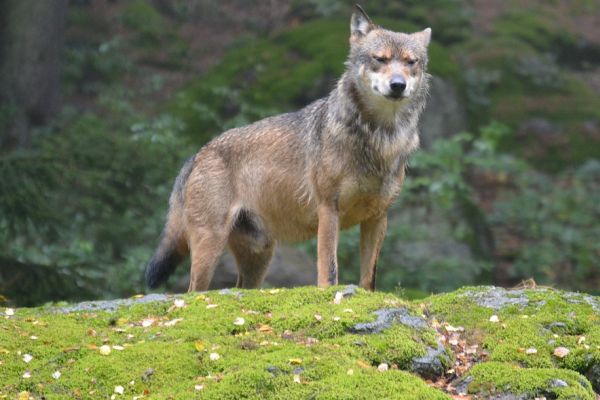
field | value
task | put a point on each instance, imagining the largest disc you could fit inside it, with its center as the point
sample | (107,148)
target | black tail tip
(160,268)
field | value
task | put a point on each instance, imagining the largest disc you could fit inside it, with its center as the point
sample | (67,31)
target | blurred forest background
(101,102)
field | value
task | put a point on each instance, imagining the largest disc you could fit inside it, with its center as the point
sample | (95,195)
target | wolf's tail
(172,247)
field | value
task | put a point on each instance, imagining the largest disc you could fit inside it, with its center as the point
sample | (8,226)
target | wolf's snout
(397,85)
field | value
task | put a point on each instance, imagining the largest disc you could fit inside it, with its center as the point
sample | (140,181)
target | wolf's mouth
(398,97)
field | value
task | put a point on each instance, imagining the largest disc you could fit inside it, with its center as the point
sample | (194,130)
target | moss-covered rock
(302,343)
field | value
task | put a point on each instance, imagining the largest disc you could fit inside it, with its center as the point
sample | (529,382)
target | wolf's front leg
(372,232)
(327,242)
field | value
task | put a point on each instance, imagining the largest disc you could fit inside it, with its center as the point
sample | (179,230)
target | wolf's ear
(360,24)
(424,36)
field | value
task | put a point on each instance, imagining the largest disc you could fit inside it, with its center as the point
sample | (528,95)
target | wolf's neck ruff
(381,142)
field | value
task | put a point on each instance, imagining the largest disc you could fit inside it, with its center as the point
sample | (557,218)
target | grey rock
(445,114)
(147,374)
(386,318)
(558,383)
(462,384)
(349,291)
(229,292)
(113,305)
(593,375)
(557,327)
(497,297)
(433,364)
(579,298)
(273,370)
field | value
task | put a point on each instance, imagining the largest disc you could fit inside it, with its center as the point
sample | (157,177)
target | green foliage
(149,24)
(554,220)
(260,77)
(90,198)
(450,19)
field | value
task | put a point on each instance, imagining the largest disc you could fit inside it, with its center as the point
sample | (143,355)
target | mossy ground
(521,344)
(293,344)
(286,336)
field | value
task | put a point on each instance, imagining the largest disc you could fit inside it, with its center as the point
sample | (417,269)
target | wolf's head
(387,66)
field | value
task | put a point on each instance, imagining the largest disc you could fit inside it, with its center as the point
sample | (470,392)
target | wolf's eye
(411,61)
(380,59)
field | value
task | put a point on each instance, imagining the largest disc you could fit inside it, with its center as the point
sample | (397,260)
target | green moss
(548,321)
(291,335)
(284,333)
(496,378)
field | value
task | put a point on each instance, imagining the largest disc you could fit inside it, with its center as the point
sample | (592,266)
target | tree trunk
(31,50)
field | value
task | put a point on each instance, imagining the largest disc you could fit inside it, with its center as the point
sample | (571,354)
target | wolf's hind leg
(252,248)
(206,247)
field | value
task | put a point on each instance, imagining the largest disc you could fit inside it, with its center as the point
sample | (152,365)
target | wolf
(336,163)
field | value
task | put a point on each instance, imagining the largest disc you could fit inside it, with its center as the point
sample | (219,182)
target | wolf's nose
(397,85)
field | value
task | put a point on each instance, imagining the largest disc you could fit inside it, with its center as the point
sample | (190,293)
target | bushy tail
(168,255)
(172,247)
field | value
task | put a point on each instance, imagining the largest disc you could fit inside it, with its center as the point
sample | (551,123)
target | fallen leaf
(363,364)
(265,328)
(561,352)
(338,297)
(382,367)
(173,322)
(148,322)
(209,306)
(199,345)
(295,361)
(179,303)
(105,350)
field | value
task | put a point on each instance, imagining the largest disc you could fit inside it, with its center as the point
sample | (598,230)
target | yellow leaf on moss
(199,345)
